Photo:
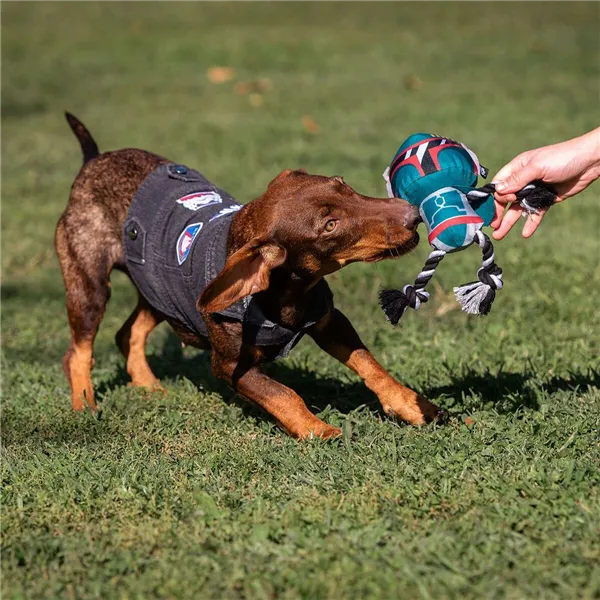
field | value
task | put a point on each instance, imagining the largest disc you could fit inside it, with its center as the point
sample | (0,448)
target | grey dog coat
(175,241)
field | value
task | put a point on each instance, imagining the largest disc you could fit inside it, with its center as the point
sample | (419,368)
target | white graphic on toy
(445,201)
(440,202)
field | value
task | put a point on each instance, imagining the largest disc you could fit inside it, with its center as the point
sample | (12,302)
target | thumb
(515,175)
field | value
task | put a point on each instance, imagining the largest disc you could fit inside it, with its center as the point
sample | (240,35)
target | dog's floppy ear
(246,272)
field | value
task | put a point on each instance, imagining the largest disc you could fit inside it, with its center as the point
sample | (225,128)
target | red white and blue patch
(185,241)
(199,200)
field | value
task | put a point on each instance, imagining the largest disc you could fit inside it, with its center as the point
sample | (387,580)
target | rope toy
(439,175)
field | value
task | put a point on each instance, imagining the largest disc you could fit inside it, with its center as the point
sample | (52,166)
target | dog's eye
(330,225)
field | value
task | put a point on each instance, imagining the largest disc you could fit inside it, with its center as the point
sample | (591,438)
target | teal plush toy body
(439,175)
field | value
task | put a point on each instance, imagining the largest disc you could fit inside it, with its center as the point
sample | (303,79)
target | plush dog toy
(439,175)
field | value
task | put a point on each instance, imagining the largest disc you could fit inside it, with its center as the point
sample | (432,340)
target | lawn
(196,494)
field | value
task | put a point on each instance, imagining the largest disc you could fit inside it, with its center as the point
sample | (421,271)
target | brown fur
(300,229)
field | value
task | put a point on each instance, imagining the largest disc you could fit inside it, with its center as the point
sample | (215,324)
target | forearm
(590,145)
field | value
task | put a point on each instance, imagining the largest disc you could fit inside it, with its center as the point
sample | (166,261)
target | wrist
(586,150)
(591,145)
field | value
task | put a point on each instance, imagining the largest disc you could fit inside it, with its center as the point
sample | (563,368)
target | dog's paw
(415,410)
(323,431)
(149,388)
(330,432)
(431,413)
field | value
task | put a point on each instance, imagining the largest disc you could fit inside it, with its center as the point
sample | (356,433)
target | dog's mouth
(397,251)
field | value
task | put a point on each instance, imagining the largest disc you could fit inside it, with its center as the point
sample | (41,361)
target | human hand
(569,166)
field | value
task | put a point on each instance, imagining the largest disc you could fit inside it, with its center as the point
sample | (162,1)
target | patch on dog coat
(175,242)
(186,239)
(199,200)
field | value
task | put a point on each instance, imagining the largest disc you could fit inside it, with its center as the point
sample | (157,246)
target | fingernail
(500,186)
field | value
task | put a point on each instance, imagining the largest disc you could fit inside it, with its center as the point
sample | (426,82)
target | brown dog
(279,247)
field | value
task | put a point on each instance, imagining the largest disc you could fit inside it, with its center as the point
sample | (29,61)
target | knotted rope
(395,302)
(533,198)
(477,297)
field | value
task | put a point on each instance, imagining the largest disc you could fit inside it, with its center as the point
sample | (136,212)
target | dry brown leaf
(220,74)
(413,82)
(447,300)
(469,421)
(136,28)
(265,84)
(255,100)
(537,46)
(310,124)
(243,87)
(258,86)
(447,306)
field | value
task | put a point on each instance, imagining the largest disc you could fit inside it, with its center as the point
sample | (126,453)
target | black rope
(533,198)
(395,302)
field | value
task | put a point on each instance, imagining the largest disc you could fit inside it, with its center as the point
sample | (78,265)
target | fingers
(511,178)
(499,211)
(520,171)
(532,223)
(513,214)
(505,198)
(500,203)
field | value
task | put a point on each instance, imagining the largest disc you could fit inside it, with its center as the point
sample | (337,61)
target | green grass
(197,495)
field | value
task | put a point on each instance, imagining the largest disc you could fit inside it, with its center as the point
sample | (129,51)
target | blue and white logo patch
(185,241)
(199,200)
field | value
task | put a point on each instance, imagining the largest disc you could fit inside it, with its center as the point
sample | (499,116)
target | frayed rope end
(394,304)
(536,197)
(476,298)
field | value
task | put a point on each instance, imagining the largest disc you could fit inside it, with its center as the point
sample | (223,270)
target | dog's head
(311,225)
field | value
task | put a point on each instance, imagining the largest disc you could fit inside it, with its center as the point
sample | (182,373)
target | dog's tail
(88,145)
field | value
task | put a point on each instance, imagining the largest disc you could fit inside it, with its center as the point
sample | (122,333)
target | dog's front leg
(336,335)
(282,403)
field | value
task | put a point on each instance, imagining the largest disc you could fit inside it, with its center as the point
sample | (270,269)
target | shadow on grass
(507,392)
(504,392)
(318,392)
(43,431)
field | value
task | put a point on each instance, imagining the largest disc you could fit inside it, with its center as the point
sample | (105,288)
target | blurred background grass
(332,88)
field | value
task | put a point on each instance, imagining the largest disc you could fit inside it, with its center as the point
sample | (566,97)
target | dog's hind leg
(86,268)
(131,340)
